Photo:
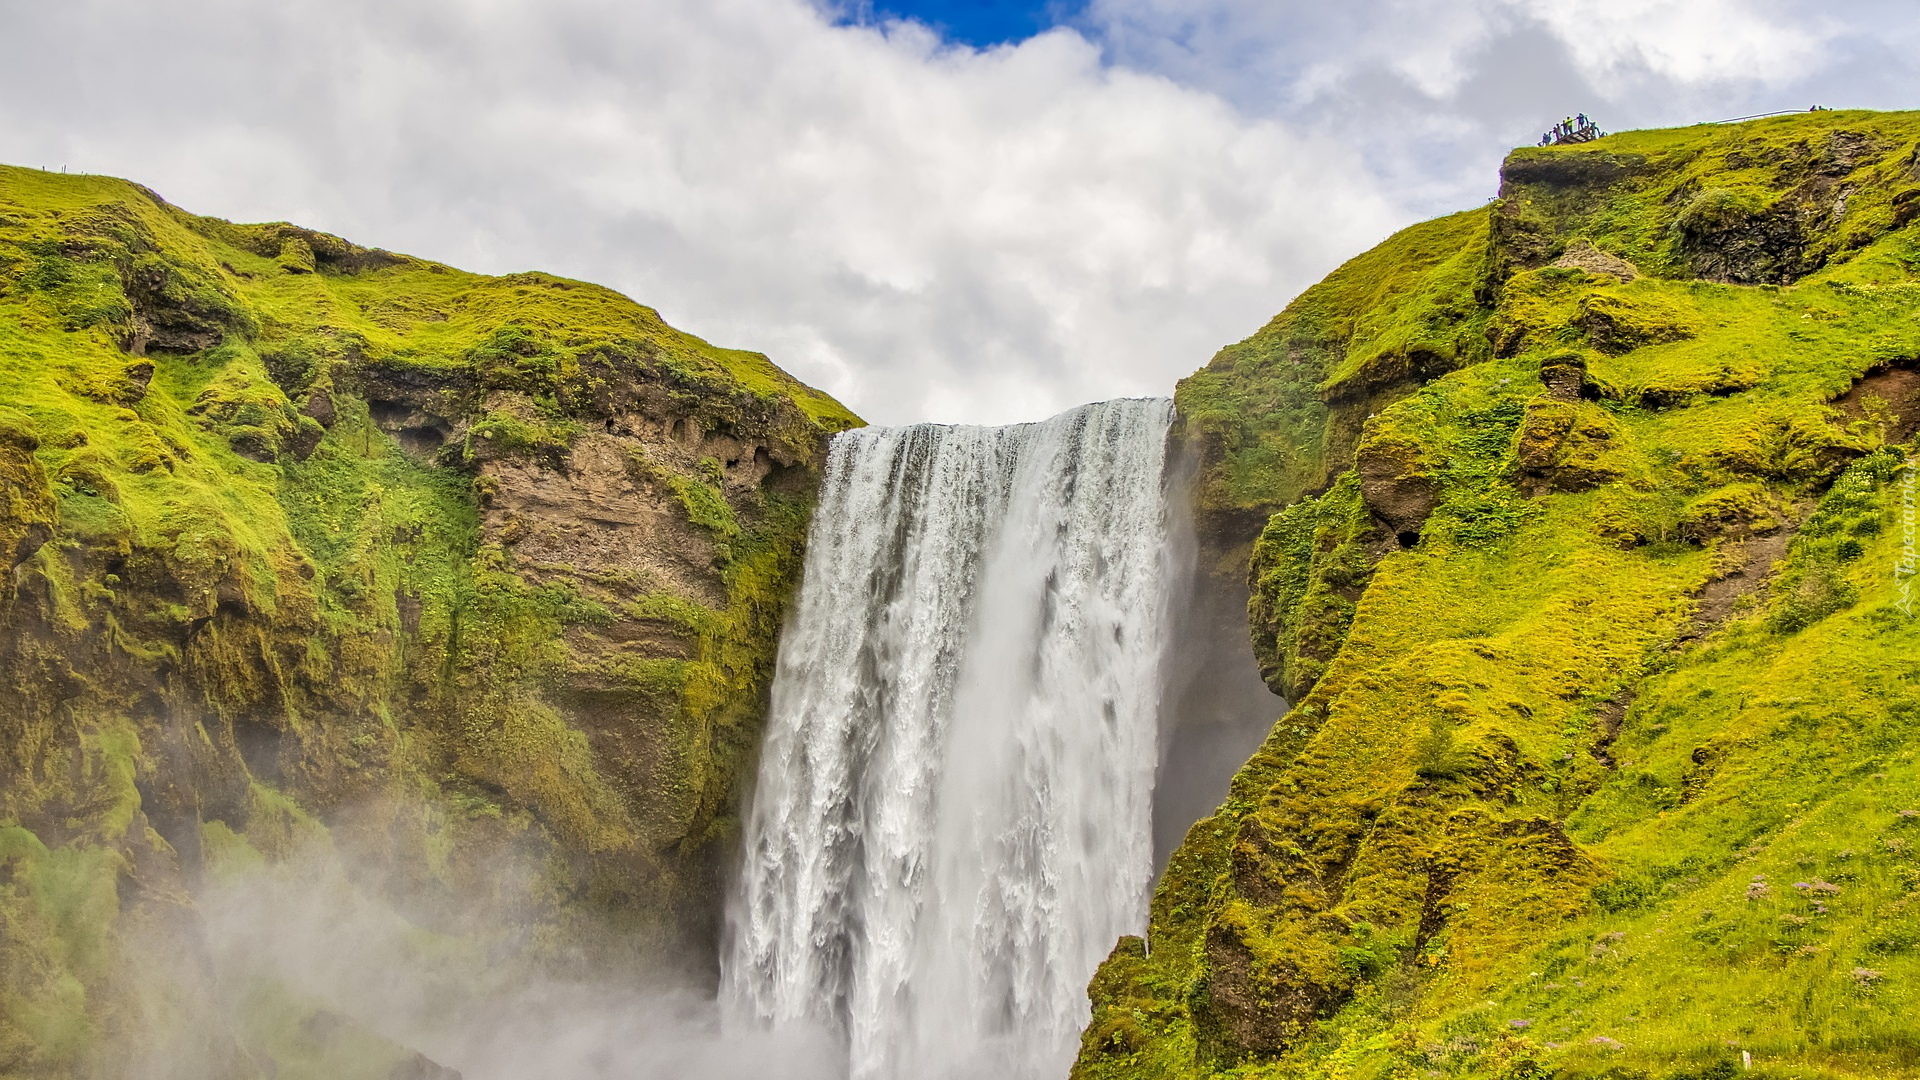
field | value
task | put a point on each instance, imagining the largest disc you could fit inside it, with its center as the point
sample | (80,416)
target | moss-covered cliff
(1587,559)
(455,573)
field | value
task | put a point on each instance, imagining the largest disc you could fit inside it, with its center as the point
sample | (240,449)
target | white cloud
(1302,51)
(929,233)
(1690,41)
(1432,92)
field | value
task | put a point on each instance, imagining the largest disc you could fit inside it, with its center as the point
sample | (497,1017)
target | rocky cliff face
(1582,541)
(473,580)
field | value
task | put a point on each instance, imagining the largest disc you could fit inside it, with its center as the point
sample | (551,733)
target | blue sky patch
(974,22)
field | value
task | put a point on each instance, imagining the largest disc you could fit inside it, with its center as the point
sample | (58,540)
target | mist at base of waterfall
(303,967)
(1002,644)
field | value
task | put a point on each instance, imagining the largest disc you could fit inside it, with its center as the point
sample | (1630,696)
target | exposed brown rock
(1752,564)
(1906,207)
(1582,255)
(27,512)
(1565,446)
(1887,399)
(1735,512)
(1616,324)
(134,382)
(1565,377)
(1254,1008)
(319,405)
(1397,487)
(168,315)
(600,515)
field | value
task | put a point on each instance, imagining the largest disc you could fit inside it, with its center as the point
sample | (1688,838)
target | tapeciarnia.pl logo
(1907,565)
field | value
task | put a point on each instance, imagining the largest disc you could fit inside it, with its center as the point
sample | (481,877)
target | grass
(1526,818)
(1260,407)
(243,598)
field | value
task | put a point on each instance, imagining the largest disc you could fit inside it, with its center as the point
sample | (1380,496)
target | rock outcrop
(473,581)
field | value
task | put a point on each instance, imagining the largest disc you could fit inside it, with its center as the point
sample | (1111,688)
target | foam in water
(952,820)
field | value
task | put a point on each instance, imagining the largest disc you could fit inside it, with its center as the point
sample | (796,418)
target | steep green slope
(459,575)
(1587,562)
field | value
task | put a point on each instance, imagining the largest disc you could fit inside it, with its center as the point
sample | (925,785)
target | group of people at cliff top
(1572,129)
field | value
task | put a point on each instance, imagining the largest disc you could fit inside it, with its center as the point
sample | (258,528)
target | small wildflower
(1520,1025)
(1553,1045)
(1827,887)
(1606,1043)
(1758,889)
(1865,976)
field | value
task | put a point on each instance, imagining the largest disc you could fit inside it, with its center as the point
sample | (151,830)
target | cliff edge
(474,581)
(1586,559)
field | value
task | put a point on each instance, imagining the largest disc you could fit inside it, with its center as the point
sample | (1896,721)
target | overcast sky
(928,221)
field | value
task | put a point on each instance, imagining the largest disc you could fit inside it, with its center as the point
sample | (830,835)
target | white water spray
(952,820)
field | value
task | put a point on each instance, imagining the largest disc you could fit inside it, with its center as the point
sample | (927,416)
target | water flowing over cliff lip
(952,818)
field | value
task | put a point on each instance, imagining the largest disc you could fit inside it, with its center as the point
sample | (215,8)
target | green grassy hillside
(1587,560)
(456,574)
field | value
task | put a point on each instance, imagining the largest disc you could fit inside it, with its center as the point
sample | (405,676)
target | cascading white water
(952,820)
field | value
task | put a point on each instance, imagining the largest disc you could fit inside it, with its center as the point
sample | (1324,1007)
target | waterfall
(952,820)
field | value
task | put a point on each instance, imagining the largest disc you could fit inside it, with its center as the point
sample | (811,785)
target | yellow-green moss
(1310,565)
(1387,319)
(241,476)
(1564,801)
